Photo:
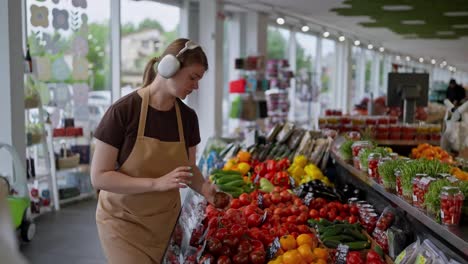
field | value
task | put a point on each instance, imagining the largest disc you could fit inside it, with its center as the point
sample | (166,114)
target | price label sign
(256,179)
(308,198)
(341,254)
(260,201)
(264,217)
(292,182)
(273,249)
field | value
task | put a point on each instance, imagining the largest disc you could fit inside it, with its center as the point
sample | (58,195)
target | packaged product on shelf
(408,255)
(396,241)
(373,162)
(430,254)
(451,202)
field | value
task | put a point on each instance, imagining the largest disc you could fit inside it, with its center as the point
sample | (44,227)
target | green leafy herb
(432,199)
(364,155)
(387,172)
(346,151)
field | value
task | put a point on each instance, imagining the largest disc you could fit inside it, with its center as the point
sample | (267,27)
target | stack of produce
(431,152)
(231,182)
(302,172)
(302,249)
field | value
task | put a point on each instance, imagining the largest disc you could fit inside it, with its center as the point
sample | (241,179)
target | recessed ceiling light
(450,68)
(326,34)
(370,46)
(397,7)
(357,42)
(305,28)
(433,61)
(421,60)
(280,21)
(342,38)
(408,58)
(381,49)
(444,63)
(413,22)
(460,26)
(398,57)
(456,13)
(445,33)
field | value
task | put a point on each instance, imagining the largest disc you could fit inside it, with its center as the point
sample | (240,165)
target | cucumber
(331,232)
(235,194)
(230,189)
(228,178)
(331,243)
(359,245)
(235,183)
(355,233)
(324,222)
(341,238)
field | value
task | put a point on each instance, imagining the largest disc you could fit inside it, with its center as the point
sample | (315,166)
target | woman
(145,151)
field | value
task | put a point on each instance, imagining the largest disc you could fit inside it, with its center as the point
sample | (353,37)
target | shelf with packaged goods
(407,142)
(456,237)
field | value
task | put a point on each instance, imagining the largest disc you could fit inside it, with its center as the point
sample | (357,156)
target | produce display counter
(455,238)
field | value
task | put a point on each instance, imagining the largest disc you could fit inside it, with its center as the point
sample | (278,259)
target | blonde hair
(189,57)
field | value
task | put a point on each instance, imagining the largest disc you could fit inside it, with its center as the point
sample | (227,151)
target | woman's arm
(199,184)
(104,176)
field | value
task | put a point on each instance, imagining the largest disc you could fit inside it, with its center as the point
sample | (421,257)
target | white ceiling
(455,52)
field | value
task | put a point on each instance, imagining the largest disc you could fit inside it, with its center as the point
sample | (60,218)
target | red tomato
(254,233)
(231,241)
(214,245)
(221,233)
(295,234)
(244,247)
(224,260)
(285,196)
(346,208)
(354,210)
(237,230)
(207,258)
(245,199)
(254,220)
(292,219)
(352,219)
(241,259)
(226,250)
(331,215)
(297,202)
(301,219)
(275,198)
(373,257)
(339,218)
(304,208)
(303,229)
(295,210)
(236,204)
(313,213)
(278,211)
(257,245)
(249,210)
(354,257)
(287,211)
(257,257)
(323,213)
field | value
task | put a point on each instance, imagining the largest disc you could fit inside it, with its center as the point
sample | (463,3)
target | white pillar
(256,25)
(12,74)
(210,94)
(387,69)
(235,45)
(361,74)
(347,106)
(292,53)
(375,72)
(115,50)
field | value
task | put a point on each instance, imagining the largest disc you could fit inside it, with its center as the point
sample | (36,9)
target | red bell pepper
(260,169)
(282,164)
(271,165)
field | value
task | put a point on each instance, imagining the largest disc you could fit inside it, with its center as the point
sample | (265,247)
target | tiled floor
(68,236)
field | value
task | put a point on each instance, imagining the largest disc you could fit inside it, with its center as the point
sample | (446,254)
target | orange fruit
(306,253)
(243,156)
(321,261)
(292,257)
(306,239)
(321,253)
(288,242)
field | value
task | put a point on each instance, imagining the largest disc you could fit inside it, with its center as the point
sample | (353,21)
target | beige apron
(135,228)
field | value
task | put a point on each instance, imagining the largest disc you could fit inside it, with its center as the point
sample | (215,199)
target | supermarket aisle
(69,236)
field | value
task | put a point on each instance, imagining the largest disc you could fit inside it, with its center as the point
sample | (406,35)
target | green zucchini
(229,178)
(230,189)
(355,233)
(341,238)
(359,245)
(331,243)
(234,183)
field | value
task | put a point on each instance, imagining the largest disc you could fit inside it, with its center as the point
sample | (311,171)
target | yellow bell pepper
(300,161)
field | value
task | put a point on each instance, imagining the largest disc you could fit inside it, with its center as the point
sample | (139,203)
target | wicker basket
(68,162)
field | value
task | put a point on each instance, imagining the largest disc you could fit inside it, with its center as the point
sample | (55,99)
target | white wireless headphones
(170,64)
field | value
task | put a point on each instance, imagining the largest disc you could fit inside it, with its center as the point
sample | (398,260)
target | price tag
(299,191)
(400,257)
(292,182)
(264,217)
(308,198)
(260,201)
(341,254)
(273,249)
(256,179)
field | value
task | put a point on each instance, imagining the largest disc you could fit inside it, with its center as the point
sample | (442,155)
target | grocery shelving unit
(453,239)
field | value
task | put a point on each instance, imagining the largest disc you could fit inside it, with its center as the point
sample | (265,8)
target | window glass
(328,58)
(147,27)
(277,42)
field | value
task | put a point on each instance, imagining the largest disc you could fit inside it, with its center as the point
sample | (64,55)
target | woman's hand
(178,178)
(208,190)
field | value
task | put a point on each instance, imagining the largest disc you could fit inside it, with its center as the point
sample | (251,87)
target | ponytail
(150,73)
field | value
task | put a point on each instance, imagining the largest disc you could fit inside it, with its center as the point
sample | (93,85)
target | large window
(147,27)
(328,61)
(306,46)
(69,43)
(277,43)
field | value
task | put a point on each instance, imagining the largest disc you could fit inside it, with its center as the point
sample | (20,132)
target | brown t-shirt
(119,125)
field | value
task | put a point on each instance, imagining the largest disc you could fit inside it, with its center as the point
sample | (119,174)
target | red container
(415,183)
(373,165)
(399,187)
(423,187)
(58,132)
(371,121)
(383,120)
(358,145)
(451,202)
